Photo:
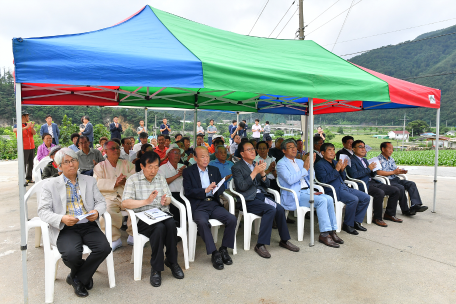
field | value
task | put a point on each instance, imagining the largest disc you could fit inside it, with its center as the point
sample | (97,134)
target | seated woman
(51,169)
(45,147)
(102,142)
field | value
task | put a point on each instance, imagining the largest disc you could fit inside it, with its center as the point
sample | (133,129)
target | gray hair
(288,141)
(60,155)
(105,145)
(218,147)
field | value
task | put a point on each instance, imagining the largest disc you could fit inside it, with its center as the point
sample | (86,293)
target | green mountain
(427,57)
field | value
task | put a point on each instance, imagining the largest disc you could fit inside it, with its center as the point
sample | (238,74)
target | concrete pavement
(412,262)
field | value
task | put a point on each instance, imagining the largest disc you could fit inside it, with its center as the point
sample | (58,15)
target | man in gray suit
(251,181)
(65,201)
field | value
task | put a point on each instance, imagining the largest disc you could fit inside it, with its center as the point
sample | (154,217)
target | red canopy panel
(61,94)
(322,106)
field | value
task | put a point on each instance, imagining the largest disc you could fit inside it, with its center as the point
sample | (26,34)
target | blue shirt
(388,165)
(74,148)
(166,132)
(243,133)
(205,181)
(225,169)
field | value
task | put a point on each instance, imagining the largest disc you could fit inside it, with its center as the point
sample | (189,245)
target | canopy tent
(156,59)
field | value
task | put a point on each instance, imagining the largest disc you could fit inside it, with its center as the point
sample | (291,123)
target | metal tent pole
(145,119)
(183,125)
(436,159)
(311,173)
(21,165)
(304,130)
(195,119)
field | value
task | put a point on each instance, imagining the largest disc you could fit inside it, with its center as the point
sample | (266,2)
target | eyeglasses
(361,147)
(73,161)
(175,152)
(292,147)
(114,148)
(249,150)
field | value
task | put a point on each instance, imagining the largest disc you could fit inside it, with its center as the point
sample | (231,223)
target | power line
(334,17)
(393,31)
(349,9)
(384,47)
(281,19)
(259,16)
(430,75)
(323,12)
(287,22)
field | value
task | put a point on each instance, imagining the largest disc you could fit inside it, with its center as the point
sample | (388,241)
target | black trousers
(29,155)
(69,244)
(206,210)
(378,192)
(53,141)
(162,234)
(411,188)
(174,210)
(268,213)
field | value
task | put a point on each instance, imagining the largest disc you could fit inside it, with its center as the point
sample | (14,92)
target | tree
(66,129)
(443,130)
(340,130)
(418,127)
(279,133)
(329,135)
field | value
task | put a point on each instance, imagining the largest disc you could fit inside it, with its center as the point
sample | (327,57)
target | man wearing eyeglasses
(361,169)
(111,176)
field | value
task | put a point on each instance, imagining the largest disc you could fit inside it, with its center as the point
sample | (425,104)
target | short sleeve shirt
(211,129)
(388,165)
(256,131)
(165,132)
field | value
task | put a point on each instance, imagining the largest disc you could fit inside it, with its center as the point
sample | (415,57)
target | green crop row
(421,158)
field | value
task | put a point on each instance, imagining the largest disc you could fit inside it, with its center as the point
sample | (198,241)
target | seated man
(200,141)
(276,152)
(222,163)
(218,141)
(293,173)
(187,148)
(111,176)
(147,190)
(172,172)
(61,202)
(329,171)
(161,149)
(51,169)
(167,141)
(143,139)
(199,181)
(88,157)
(251,181)
(347,142)
(125,149)
(390,170)
(263,150)
(360,169)
(235,144)
(318,141)
(301,154)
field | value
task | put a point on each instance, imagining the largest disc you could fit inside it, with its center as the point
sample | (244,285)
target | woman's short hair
(44,135)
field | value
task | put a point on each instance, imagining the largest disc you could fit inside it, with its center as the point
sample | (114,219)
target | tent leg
(304,132)
(145,119)
(436,160)
(183,125)
(20,159)
(195,119)
(311,173)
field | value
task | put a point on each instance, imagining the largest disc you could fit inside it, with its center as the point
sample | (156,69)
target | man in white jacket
(111,176)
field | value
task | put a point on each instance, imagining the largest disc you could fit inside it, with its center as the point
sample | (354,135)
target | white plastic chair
(338,204)
(301,211)
(370,208)
(385,180)
(193,228)
(52,257)
(38,168)
(140,240)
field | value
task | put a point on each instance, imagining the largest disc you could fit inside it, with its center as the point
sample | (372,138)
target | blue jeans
(209,141)
(324,204)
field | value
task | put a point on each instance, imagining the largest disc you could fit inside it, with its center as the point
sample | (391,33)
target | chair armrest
(243,204)
(351,184)
(108,226)
(230,202)
(402,176)
(382,179)
(275,193)
(319,188)
(45,235)
(182,211)
(358,181)
(292,192)
(330,187)
(134,223)
(188,205)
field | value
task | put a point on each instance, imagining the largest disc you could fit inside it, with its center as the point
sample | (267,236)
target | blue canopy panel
(371,105)
(137,52)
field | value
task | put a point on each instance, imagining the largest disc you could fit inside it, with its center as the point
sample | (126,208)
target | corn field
(421,158)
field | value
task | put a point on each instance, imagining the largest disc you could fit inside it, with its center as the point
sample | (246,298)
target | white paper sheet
(344,157)
(218,186)
(156,213)
(83,216)
(375,160)
(368,148)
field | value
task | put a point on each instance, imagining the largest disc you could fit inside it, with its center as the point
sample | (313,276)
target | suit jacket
(342,151)
(289,178)
(244,183)
(193,189)
(317,158)
(55,130)
(52,205)
(88,131)
(358,171)
(325,173)
(115,132)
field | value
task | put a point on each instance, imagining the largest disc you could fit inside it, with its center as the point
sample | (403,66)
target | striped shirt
(138,187)
(74,205)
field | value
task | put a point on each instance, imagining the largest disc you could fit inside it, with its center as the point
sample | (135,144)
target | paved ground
(412,262)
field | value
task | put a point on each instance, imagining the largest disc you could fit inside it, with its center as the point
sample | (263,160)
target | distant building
(399,135)
(428,134)
(451,133)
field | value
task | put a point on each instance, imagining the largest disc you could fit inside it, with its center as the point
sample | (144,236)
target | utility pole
(301,20)
(183,125)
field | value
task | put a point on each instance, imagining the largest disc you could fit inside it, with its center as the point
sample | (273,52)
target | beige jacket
(106,177)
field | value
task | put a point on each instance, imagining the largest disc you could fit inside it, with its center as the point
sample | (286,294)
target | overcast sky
(31,18)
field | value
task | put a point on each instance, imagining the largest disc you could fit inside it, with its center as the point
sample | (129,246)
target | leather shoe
(289,246)
(380,222)
(217,261)
(359,227)
(225,256)
(79,289)
(262,252)
(419,208)
(89,286)
(391,218)
(176,270)
(335,237)
(155,278)
(290,221)
(409,212)
(328,241)
(349,229)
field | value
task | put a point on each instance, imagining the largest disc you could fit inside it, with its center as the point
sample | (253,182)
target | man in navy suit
(51,128)
(88,130)
(360,169)
(115,128)
(199,181)
(347,141)
(331,172)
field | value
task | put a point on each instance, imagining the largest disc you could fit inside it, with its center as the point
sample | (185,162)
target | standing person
(29,145)
(199,129)
(266,130)
(211,132)
(75,139)
(115,128)
(50,128)
(165,129)
(244,127)
(141,128)
(320,133)
(233,129)
(88,130)
(45,147)
(256,129)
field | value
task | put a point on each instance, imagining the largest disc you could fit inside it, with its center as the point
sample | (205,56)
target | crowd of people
(146,175)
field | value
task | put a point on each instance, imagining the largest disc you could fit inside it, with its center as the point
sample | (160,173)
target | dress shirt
(199,130)
(362,161)
(388,165)
(205,181)
(137,147)
(124,155)
(50,130)
(297,169)
(224,168)
(349,151)
(268,161)
(167,171)
(267,129)
(256,130)
(86,160)
(74,148)
(74,203)
(319,153)
(233,147)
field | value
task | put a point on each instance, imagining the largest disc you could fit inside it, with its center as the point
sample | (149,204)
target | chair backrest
(35,189)
(357,181)
(187,205)
(38,168)
(232,189)
(295,195)
(329,186)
